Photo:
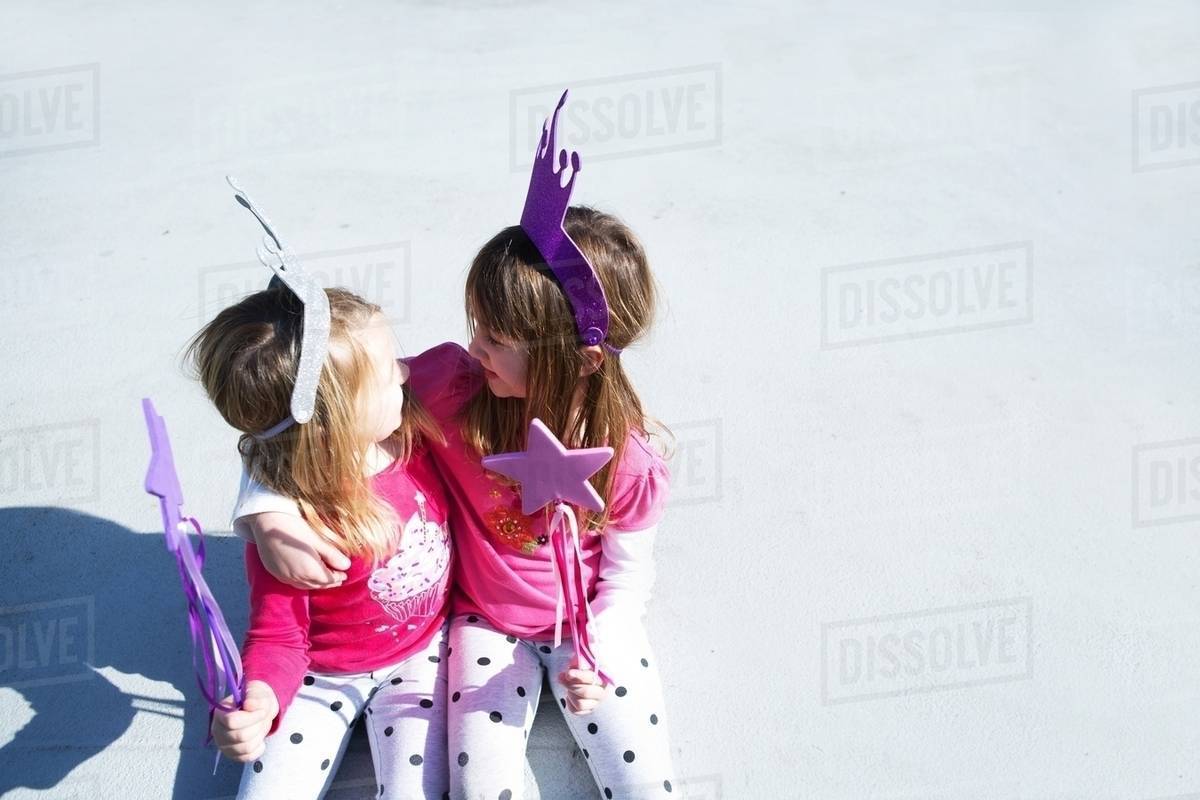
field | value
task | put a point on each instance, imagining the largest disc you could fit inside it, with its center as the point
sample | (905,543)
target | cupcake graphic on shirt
(410,585)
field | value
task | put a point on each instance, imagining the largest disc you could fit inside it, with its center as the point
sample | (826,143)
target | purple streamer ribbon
(212,643)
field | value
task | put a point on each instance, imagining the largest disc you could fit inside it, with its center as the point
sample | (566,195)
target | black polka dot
(506,794)
(296,738)
(628,756)
(388,730)
(397,681)
(520,691)
(381,790)
(621,691)
(336,705)
(463,758)
(454,697)
(586,754)
(608,793)
(545,648)
(510,639)
(667,785)
(449,650)
(484,661)
(426,703)
(495,716)
(415,760)
(645,663)
(258,766)
(325,764)
(435,659)
(562,701)
(592,727)
(472,618)
(654,719)
(309,680)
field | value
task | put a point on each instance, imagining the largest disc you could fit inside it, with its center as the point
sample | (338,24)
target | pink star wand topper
(550,473)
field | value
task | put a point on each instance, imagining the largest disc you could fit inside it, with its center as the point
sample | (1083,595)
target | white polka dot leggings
(405,704)
(495,682)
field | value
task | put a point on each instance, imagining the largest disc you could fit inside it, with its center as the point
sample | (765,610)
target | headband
(314,341)
(542,219)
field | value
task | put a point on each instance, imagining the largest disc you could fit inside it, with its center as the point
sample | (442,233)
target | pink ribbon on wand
(211,639)
(566,557)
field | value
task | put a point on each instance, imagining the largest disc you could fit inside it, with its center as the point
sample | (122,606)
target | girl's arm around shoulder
(443,378)
(288,547)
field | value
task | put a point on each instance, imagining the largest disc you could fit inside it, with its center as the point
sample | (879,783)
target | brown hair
(246,359)
(513,294)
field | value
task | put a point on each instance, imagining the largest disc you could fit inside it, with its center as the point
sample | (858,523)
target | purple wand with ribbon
(211,640)
(550,473)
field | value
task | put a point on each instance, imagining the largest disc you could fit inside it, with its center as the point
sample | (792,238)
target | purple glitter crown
(542,220)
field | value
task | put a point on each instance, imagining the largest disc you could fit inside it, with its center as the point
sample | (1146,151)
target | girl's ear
(593,357)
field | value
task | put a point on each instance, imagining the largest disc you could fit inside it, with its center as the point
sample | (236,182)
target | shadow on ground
(91,615)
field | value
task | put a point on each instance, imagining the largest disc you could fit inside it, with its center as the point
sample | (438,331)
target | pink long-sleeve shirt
(377,617)
(504,570)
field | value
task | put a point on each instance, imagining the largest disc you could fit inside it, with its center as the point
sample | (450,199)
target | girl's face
(381,398)
(504,363)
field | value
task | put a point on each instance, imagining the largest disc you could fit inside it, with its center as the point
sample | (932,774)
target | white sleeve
(626,574)
(254,498)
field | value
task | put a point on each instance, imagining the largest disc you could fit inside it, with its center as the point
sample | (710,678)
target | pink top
(375,618)
(505,573)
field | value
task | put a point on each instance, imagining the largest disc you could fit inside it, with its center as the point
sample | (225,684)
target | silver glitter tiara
(314,342)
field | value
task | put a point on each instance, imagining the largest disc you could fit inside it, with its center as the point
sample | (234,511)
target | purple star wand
(550,473)
(212,644)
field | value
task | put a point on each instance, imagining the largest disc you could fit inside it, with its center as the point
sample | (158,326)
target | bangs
(507,288)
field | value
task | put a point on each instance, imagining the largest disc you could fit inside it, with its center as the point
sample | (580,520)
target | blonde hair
(246,359)
(513,294)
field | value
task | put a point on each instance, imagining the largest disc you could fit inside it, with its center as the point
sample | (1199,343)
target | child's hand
(294,553)
(584,689)
(242,735)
